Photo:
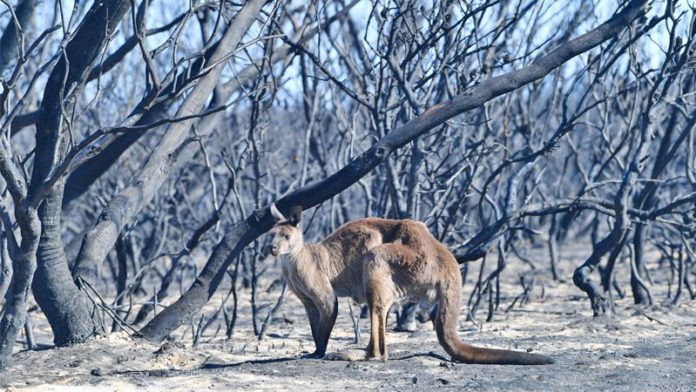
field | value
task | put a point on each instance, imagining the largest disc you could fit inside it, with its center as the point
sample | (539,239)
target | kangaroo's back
(347,245)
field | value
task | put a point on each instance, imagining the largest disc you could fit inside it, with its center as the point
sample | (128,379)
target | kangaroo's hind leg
(379,288)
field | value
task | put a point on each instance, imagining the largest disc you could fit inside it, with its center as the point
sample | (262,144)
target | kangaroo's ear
(277,215)
(295,215)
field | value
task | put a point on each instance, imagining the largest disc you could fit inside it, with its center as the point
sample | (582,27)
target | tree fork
(71,314)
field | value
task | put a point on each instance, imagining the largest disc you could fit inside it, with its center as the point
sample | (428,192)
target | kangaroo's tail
(446,325)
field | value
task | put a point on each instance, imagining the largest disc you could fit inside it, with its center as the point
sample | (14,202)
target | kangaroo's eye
(287,236)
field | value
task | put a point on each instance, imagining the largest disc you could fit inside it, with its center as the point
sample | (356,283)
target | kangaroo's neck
(315,256)
(308,253)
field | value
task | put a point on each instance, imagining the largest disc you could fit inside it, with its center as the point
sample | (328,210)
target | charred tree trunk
(6,267)
(582,277)
(24,265)
(554,255)
(640,295)
(69,311)
(121,280)
(8,42)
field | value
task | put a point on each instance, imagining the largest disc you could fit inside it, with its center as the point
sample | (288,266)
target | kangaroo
(378,261)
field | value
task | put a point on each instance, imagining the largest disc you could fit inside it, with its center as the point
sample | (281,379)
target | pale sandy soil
(637,350)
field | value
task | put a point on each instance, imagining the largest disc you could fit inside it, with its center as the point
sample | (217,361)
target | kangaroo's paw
(314,355)
(382,358)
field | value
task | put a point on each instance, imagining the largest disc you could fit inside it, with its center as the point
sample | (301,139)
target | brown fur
(380,261)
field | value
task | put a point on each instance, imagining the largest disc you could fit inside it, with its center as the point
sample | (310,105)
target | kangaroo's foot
(314,355)
(372,354)
(379,357)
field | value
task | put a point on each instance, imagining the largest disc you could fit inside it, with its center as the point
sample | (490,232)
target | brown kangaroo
(379,261)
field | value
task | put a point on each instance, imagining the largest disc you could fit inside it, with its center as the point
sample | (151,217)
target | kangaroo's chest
(344,279)
(295,279)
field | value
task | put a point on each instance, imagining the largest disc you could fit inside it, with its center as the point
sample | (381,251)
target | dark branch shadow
(209,366)
(397,357)
(185,372)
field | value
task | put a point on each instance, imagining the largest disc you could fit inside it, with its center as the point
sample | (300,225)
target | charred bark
(10,37)
(641,296)
(23,265)
(69,311)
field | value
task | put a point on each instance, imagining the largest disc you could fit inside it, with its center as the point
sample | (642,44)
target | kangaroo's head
(286,235)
